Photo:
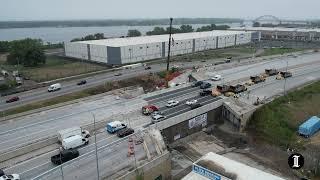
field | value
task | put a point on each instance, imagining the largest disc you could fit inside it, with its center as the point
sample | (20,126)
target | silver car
(172,103)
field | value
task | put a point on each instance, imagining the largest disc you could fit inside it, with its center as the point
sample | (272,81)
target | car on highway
(54,87)
(118,74)
(10,177)
(125,132)
(1,172)
(190,102)
(64,156)
(205,85)
(172,103)
(196,84)
(12,99)
(205,92)
(147,68)
(195,106)
(157,118)
(82,82)
(216,78)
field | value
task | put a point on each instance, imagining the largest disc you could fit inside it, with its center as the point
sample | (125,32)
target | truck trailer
(66,133)
(309,127)
(238,88)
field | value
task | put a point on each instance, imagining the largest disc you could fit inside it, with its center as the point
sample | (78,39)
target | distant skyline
(19,10)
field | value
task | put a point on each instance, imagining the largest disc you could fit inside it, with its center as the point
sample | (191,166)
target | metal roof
(242,171)
(116,42)
(283,29)
(310,122)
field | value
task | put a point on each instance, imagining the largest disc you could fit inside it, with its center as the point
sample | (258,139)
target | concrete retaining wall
(158,168)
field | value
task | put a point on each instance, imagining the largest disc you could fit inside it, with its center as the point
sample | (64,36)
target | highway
(70,86)
(304,69)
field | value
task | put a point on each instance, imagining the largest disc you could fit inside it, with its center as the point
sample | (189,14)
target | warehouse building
(119,51)
(280,33)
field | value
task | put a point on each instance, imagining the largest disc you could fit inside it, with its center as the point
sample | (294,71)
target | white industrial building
(119,51)
(282,33)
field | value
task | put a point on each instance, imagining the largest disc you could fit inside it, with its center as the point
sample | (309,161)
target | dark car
(196,84)
(65,155)
(118,74)
(147,68)
(205,85)
(205,92)
(13,99)
(1,173)
(194,106)
(82,82)
(125,132)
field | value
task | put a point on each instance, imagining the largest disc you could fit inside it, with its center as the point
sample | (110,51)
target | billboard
(197,121)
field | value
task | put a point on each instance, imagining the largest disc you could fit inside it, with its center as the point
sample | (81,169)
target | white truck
(66,133)
(54,87)
(74,142)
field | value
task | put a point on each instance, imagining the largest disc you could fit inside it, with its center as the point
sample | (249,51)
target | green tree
(4,46)
(99,36)
(133,33)
(157,31)
(89,37)
(28,52)
(186,29)
(173,30)
(256,24)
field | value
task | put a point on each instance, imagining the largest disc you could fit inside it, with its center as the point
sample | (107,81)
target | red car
(13,99)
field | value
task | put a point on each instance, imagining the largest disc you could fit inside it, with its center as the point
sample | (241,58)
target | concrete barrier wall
(26,149)
(187,115)
(161,166)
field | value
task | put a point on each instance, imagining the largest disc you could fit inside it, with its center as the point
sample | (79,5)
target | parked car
(125,132)
(65,155)
(216,78)
(196,84)
(54,87)
(205,85)
(12,99)
(190,102)
(10,177)
(205,92)
(82,82)
(147,68)
(194,106)
(172,103)
(118,74)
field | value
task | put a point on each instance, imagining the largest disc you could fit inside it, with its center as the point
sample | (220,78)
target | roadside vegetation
(275,51)
(277,122)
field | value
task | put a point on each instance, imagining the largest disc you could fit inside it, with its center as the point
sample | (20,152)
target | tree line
(112,22)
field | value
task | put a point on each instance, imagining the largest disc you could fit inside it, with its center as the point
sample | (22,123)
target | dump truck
(238,88)
(257,79)
(223,88)
(147,110)
(271,72)
(283,74)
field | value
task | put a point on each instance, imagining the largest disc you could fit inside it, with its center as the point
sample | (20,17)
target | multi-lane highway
(15,133)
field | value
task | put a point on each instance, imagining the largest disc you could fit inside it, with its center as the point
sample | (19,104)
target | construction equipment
(238,88)
(283,74)
(257,79)
(271,72)
(249,83)
(223,88)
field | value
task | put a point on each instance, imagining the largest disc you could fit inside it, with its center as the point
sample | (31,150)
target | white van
(74,142)
(54,87)
(65,133)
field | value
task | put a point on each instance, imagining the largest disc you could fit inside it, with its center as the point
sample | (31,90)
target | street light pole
(285,81)
(60,149)
(169,48)
(95,143)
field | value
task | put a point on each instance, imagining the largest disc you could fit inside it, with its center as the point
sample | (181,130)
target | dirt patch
(216,168)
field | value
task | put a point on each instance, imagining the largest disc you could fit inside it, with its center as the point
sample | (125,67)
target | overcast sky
(124,9)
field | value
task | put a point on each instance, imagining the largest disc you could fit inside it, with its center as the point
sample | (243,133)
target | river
(63,34)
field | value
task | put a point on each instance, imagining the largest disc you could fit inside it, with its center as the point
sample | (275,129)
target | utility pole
(285,81)
(60,150)
(169,48)
(95,143)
